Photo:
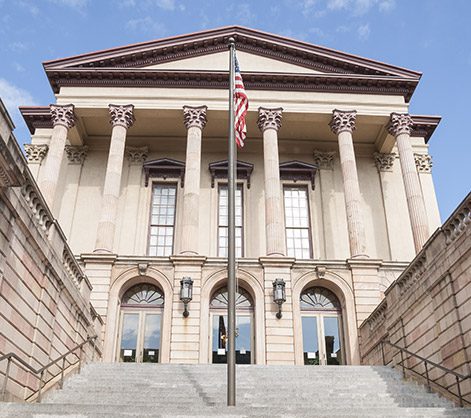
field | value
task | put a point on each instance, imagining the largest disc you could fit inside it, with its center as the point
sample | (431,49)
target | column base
(102,251)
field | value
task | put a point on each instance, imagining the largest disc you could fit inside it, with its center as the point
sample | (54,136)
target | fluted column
(269,122)
(195,121)
(343,124)
(122,118)
(400,126)
(63,119)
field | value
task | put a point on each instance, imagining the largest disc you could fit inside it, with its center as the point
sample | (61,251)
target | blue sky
(431,36)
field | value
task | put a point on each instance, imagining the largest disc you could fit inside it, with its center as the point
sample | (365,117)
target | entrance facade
(140,324)
(321,327)
(244,327)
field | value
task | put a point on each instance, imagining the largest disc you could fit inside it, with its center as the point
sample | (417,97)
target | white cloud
(169,5)
(13,97)
(147,25)
(363,31)
(18,67)
(17,46)
(387,5)
(74,4)
(338,4)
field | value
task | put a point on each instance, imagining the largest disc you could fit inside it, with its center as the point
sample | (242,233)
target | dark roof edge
(425,125)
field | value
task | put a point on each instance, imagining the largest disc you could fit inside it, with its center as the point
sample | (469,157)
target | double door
(140,336)
(243,341)
(322,342)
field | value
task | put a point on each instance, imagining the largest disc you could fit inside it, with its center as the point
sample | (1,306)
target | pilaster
(279,333)
(35,154)
(185,333)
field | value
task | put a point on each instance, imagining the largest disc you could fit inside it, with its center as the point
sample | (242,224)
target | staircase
(109,390)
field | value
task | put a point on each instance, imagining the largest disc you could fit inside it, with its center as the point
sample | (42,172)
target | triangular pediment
(159,53)
(298,170)
(268,62)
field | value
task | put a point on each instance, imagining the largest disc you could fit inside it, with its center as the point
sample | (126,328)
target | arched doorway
(321,327)
(140,324)
(244,326)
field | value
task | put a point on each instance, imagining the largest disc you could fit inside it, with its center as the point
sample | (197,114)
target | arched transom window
(143,295)
(221,299)
(319,298)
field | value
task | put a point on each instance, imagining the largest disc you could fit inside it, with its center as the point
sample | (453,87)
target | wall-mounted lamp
(279,295)
(186,293)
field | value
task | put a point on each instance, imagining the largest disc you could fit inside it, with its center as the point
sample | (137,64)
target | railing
(428,366)
(40,373)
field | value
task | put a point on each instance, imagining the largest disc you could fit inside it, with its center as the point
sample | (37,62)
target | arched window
(319,298)
(220,299)
(143,294)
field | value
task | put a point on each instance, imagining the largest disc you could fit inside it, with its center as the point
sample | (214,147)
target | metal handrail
(458,376)
(40,372)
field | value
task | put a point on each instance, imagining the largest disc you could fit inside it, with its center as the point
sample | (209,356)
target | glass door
(321,339)
(140,337)
(243,338)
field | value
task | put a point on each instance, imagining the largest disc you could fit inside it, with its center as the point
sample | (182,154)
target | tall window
(223,226)
(298,236)
(162,223)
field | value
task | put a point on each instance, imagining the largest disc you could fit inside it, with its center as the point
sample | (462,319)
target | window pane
(297,222)
(223,219)
(162,220)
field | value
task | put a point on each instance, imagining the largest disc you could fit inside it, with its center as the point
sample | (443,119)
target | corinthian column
(343,124)
(63,119)
(122,118)
(400,126)
(269,122)
(195,121)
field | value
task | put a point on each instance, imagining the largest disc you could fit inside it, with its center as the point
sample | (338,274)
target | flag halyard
(241,106)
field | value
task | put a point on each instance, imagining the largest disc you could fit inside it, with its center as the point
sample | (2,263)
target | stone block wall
(44,296)
(427,310)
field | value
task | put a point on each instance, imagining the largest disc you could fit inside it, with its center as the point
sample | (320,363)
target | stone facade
(362,225)
(45,305)
(427,309)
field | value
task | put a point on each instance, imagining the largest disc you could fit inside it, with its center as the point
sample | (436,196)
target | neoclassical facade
(335,194)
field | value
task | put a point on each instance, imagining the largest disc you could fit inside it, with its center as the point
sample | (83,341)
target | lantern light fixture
(186,293)
(279,295)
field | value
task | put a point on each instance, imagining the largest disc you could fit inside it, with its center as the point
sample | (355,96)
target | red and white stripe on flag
(241,105)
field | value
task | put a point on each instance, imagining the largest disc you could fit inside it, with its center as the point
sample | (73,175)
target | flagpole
(231,369)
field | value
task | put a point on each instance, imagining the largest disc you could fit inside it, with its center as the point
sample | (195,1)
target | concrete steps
(150,390)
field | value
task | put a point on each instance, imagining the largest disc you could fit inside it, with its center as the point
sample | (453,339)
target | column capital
(269,118)
(343,120)
(35,153)
(122,115)
(400,123)
(423,162)
(76,154)
(384,161)
(136,155)
(324,159)
(62,115)
(195,116)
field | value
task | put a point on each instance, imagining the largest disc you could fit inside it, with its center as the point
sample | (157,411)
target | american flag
(241,105)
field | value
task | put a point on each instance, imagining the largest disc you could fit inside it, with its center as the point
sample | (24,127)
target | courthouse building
(334,193)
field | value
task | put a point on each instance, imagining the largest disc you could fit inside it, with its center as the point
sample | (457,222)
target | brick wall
(427,310)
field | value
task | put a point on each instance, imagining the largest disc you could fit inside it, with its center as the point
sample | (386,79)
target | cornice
(36,117)
(215,40)
(424,125)
(332,83)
